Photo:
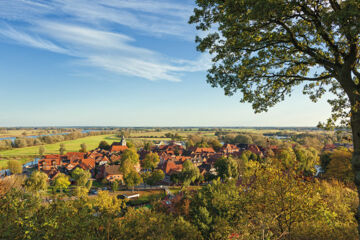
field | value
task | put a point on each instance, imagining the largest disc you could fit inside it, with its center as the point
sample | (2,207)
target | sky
(118,63)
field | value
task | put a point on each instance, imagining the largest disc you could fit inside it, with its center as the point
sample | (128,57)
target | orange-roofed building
(229,148)
(75,156)
(172,167)
(47,164)
(118,148)
(89,163)
(200,150)
(255,149)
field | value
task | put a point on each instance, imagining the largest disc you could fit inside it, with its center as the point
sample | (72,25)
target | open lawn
(28,153)
(19,133)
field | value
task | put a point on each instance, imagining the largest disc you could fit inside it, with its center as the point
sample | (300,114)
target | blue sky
(118,63)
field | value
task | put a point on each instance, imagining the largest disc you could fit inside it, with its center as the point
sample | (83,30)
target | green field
(28,153)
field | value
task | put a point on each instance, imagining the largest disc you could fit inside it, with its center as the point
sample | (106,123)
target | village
(105,164)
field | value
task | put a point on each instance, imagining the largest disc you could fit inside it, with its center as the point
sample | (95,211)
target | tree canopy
(190,173)
(151,160)
(263,49)
(38,181)
(15,166)
(80,176)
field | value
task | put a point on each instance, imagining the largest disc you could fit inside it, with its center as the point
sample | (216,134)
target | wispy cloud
(29,40)
(87,30)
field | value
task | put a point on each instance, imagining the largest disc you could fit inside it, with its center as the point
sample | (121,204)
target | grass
(19,133)
(27,154)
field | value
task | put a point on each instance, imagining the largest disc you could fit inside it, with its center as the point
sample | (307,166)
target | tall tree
(80,176)
(133,179)
(151,160)
(189,174)
(38,181)
(15,166)
(104,145)
(153,178)
(41,151)
(83,147)
(339,166)
(129,159)
(226,167)
(62,149)
(264,48)
(61,182)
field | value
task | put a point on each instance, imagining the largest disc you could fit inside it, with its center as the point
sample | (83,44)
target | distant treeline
(21,142)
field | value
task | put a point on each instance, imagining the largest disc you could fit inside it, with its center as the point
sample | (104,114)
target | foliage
(273,203)
(156,176)
(83,148)
(263,49)
(226,167)
(38,181)
(62,149)
(325,159)
(189,174)
(133,179)
(15,166)
(41,150)
(306,159)
(129,159)
(115,186)
(151,161)
(61,182)
(104,145)
(146,224)
(339,167)
(80,176)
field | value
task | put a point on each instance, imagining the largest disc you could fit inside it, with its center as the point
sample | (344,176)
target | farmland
(28,153)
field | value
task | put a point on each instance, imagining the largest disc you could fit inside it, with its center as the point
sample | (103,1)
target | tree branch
(298,77)
(306,49)
(319,27)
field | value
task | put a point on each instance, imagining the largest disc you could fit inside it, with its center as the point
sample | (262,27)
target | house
(102,160)
(229,148)
(172,167)
(119,146)
(49,162)
(74,157)
(115,158)
(110,173)
(87,164)
(254,149)
(200,150)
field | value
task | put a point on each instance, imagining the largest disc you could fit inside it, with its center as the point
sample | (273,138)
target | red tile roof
(204,150)
(171,166)
(89,163)
(118,148)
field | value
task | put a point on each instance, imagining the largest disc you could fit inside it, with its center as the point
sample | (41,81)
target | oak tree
(263,49)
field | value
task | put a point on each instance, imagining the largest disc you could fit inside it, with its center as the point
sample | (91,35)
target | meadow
(27,154)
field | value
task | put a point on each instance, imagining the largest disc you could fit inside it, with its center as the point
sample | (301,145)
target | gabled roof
(112,170)
(118,148)
(75,155)
(88,162)
(172,166)
(204,150)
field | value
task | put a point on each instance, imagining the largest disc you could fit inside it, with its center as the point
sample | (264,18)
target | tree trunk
(355,124)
